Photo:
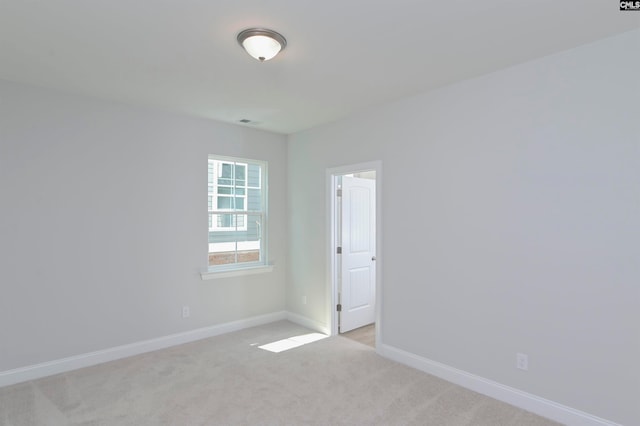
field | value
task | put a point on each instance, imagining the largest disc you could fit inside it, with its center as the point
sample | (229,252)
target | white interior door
(358,235)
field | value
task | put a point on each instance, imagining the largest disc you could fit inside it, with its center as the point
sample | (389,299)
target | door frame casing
(332,221)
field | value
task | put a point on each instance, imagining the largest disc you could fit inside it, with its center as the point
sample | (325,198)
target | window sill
(228,273)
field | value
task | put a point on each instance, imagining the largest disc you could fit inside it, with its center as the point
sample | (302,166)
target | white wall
(511,224)
(103,226)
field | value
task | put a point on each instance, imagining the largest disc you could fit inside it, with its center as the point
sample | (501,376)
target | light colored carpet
(229,380)
(365,335)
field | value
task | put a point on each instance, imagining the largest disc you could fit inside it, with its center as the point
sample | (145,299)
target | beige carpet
(365,335)
(229,380)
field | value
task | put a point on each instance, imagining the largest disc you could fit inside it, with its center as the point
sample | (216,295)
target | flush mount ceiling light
(260,43)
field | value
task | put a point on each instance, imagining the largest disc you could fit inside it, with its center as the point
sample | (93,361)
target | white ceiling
(342,56)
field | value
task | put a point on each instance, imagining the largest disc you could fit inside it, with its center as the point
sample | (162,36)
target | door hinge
(339,193)
(339,250)
(339,307)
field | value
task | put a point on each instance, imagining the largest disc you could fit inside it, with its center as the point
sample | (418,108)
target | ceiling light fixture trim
(261,43)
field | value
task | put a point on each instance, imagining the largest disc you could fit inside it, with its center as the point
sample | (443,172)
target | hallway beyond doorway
(365,335)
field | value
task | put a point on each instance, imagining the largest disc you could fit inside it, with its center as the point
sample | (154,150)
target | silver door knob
(373,258)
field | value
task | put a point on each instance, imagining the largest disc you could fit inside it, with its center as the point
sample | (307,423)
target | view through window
(237,212)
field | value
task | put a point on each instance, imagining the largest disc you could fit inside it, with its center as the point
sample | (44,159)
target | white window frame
(231,269)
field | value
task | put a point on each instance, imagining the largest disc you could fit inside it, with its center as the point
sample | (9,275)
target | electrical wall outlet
(304,300)
(522,361)
(186,312)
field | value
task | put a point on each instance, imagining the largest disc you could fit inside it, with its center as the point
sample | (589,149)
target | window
(237,212)
(228,190)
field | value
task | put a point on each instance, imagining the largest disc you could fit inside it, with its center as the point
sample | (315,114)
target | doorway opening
(354,193)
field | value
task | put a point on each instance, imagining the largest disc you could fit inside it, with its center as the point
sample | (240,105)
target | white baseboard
(49,368)
(308,322)
(518,398)
(535,404)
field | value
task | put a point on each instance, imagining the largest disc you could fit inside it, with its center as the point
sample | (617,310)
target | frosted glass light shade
(261,44)
(262,48)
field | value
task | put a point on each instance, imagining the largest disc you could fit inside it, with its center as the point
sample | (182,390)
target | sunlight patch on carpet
(292,342)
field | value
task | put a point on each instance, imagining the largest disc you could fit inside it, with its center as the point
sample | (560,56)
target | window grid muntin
(222,175)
